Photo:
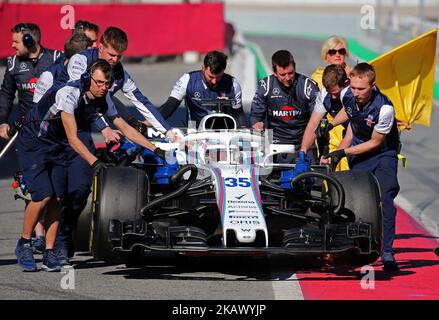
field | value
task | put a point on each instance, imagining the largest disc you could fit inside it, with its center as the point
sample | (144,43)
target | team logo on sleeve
(263,84)
(369,121)
(308,89)
(197,95)
(286,113)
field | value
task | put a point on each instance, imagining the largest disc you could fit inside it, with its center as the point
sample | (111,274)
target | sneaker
(39,244)
(61,253)
(50,261)
(25,256)
(389,262)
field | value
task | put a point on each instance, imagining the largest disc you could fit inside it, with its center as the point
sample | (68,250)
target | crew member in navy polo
(208,83)
(79,172)
(113,43)
(372,143)
(286,100)
(48,128)
(328,101)
(22,71)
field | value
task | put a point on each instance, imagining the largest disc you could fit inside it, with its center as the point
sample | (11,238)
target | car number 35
(241,182)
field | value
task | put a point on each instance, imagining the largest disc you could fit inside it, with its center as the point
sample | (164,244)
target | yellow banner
(406,75)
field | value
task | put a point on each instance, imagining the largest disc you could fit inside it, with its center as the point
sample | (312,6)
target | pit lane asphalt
(210,278)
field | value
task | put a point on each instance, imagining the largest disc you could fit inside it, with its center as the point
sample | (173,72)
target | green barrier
(261,72)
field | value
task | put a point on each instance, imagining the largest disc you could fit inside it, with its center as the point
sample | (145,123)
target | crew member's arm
(237,109)
(71,129)
(347,139)
(381,129)
(143,105)
(169,107)
(128,131)
(345,143)
(44,83)
(177,95)
(7,95)
(340,118)
(109,134)
(66,101)
(258,110)
(375,141)
(318,113)
(132,134)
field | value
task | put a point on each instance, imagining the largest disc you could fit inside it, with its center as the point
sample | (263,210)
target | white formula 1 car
(221,191)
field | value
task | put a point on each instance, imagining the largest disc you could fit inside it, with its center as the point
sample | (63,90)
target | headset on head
(28,39)
(82,25)
(86,76)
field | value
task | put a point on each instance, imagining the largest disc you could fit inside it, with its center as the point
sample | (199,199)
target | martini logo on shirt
(28,86)
(286,113)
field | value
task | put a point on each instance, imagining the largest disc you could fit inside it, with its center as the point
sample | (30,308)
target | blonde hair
(331,42)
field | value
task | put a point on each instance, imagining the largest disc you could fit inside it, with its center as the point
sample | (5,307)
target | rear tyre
(362,203)
(120,194)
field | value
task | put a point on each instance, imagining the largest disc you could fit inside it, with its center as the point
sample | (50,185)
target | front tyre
(120,193)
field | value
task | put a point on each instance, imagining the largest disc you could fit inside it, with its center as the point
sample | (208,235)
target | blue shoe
(50,261)
(389,262)
(25,256)
(61,253)
(39,244)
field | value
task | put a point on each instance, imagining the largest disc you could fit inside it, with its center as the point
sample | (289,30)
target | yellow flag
(406,75)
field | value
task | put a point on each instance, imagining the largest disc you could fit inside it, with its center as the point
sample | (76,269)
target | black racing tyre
(120,194)
(81,235)
(362,203)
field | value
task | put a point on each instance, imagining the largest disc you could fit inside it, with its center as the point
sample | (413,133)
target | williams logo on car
(286,113)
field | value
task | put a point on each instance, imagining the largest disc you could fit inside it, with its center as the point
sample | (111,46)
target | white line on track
(429,224)
(286,288)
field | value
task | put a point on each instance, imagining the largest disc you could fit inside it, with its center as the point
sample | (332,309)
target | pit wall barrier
(152,29)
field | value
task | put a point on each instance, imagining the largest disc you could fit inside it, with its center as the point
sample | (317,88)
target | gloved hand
(98,165)
(335,157)
(302,165)
(323,129)
(160,153)
(138,125)
(285,179)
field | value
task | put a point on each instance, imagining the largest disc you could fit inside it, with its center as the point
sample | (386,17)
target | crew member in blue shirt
(372,143)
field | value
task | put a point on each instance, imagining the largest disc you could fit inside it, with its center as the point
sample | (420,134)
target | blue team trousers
(79,181)
(385,169)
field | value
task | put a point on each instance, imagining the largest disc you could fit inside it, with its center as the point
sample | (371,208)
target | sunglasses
(341,51)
